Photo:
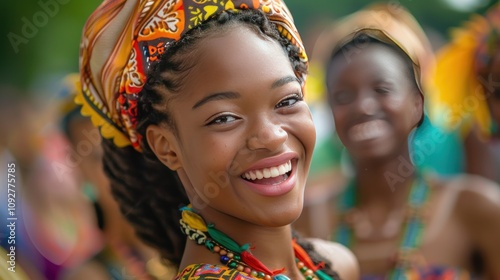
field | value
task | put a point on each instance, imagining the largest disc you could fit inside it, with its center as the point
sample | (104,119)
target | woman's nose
(270,136)
(367,104)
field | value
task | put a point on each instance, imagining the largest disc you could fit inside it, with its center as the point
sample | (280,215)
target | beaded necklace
(239,257)
(412,232)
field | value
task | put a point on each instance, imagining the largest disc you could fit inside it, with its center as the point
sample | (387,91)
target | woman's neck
(384,183)
(270,245)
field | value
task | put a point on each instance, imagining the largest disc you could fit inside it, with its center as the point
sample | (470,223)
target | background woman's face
(240,112)
(374,102)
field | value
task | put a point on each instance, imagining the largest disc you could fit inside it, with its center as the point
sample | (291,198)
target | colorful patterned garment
(209,271)
(431,273)
(123,38)
(459,100)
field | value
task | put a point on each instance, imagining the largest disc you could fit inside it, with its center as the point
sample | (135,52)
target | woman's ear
(163,143)
(419,109)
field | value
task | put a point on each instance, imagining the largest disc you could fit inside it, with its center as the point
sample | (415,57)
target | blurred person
(400,221)
(123,255)
(466,96)
(437,151)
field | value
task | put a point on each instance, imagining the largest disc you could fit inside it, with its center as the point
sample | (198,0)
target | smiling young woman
(209,95)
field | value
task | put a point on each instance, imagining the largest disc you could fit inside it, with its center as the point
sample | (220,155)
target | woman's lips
(368,130)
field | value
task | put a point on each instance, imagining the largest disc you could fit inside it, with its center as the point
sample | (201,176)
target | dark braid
(149,193)
(315,256)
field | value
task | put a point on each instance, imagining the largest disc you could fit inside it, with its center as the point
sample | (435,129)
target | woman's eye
(224,119)
(381,90)
(289,101)
(343,97)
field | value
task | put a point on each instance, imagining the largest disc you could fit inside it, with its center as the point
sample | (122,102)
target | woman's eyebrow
(216,96)
(283,81)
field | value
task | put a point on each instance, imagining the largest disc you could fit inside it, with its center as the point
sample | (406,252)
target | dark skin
(375,105)
(245,114)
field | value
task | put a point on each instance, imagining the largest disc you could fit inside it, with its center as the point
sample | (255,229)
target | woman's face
(245,136)
(374,102)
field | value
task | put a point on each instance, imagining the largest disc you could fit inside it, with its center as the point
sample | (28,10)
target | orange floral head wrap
(121,40)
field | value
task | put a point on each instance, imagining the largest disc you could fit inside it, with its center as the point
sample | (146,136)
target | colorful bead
(267,277)
(216,249)
(260,275)
(223,252)
(240,268)
(224,259)
(247,270)
(253,273)
(230,255)
(232,265)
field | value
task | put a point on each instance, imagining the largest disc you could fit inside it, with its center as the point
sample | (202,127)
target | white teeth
(258,173)
(368,130)
(269,172)
(274,172)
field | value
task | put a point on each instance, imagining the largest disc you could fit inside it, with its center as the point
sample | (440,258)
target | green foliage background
(53,50)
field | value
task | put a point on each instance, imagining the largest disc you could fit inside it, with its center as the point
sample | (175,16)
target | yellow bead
(240,268)
(230,255)
(309,272)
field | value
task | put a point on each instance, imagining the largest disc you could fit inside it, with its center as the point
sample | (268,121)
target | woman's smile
(369,130)
(272,176)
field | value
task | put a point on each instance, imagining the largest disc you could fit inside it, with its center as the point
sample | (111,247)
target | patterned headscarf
(459,100)
(121,40)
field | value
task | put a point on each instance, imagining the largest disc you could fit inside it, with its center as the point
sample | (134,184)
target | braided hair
(148,192)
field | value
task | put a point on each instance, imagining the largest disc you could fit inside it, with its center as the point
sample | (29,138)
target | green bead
(309,277)
(303,269)
(260,275)
(232,265)
(237,257)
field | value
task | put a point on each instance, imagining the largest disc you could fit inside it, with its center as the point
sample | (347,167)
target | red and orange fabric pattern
(122,39)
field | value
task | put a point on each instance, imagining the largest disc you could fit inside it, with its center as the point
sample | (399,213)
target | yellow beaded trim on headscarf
(123,37)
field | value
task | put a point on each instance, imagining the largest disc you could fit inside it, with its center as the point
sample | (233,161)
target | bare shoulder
(342,259)
(476,196)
